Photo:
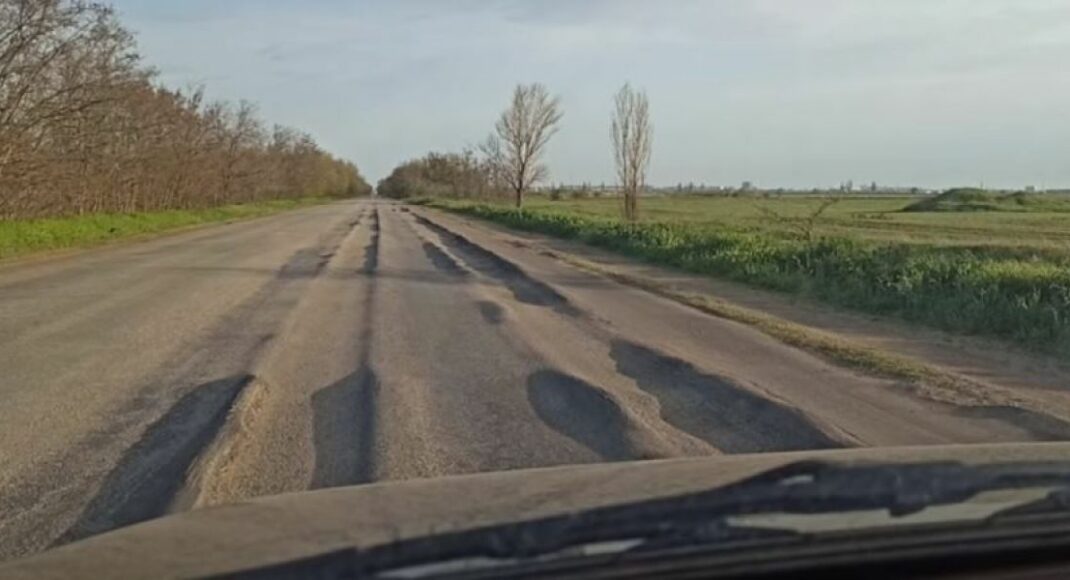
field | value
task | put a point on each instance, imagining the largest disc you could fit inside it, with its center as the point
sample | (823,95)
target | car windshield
(504,261)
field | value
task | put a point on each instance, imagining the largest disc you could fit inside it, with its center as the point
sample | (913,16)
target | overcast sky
(779,92)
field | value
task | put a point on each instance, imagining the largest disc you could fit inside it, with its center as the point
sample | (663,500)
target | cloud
(803,92)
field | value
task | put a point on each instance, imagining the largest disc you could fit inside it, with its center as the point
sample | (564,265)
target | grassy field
(996,273)
(867,218)
(22,237)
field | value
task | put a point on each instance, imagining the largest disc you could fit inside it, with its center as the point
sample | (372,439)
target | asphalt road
(366,341)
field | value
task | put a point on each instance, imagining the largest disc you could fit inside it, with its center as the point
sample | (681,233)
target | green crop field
(1002,271)
(869,218)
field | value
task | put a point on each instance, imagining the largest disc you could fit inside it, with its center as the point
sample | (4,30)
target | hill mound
(974,199)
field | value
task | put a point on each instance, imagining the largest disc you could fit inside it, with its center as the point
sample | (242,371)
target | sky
(782,93)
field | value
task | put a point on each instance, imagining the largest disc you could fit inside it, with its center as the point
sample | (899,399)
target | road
(367,341)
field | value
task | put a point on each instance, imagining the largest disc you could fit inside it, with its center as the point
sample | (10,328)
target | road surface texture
(368,341)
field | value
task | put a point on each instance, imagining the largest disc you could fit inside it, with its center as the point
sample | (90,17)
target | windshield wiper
(1056,501)
(703,518)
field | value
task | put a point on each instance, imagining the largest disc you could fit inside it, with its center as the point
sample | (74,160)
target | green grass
(23,237)
(864,218)
(970,199)
(1019,292)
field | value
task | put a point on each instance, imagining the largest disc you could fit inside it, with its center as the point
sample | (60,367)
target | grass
(863,218)
(971,199)
(1019,292)
(24,237)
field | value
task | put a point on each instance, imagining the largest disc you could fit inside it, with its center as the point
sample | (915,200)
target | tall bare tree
(523,130)
(632,145)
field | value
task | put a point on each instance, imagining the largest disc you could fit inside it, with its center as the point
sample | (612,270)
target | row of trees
(510,160)
(84,127)
(463,174)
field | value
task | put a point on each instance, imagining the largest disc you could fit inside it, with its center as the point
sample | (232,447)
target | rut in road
(152,474)
(443,261)
(397,346)
(730,417)
(341,418)
(584,413)
(344,413)
(524,288)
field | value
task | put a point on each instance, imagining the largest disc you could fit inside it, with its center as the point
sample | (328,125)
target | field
(866,218)
(997,273)
(21,237)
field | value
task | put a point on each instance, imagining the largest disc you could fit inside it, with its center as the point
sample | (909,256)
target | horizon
(770,92)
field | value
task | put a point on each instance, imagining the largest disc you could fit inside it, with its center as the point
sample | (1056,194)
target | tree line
(85,127)
(462,174)
(510,160)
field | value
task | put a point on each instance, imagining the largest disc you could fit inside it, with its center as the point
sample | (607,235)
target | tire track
(730,417)
(229,469)
(151,473)
(628,426)
(345,419)
(222,472)
(178,415)
(523,287)
(583,413)
(443,261)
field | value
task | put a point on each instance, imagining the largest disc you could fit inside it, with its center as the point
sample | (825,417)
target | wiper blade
(703,518)
(1056,502)
(820,487)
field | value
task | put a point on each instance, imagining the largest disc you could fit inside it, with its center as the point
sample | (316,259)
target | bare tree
(632,144)
(84,127)
(804,227)
(494,166)
(522,132)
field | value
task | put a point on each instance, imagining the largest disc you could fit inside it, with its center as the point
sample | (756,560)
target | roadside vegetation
(85,128)
(1013,293)
(21,237)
